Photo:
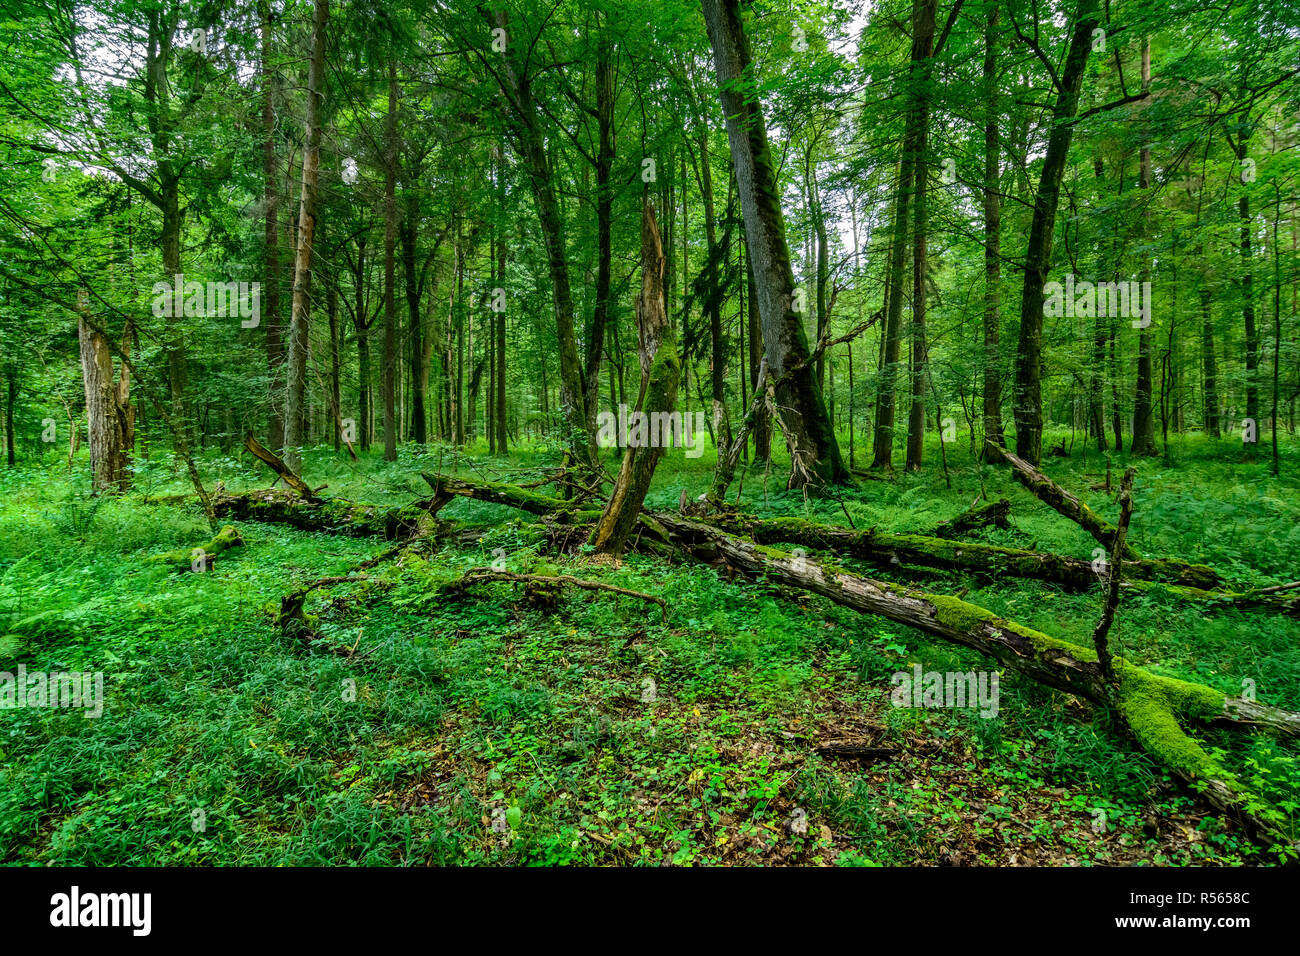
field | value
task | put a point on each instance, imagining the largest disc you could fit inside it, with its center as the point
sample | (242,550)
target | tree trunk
(336,371)
(271,244)
(661,372)
(530,144)
(605,154)
(1038,256)
(992,391)
(11,396)
(891,341)
(388,363)
(762,421)
(923,32)
(419,376)
(105,417)
(814,453)
(713,304)
(1144,439)
(295,405)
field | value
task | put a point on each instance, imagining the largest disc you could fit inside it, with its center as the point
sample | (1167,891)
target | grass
(485,730)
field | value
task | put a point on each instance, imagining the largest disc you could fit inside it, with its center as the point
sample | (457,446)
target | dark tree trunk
(815,455)
(1038,256)
(531,147)
(605,155)
(923,33)
(388,369)
(762,421)
(419,377)
(1144,439)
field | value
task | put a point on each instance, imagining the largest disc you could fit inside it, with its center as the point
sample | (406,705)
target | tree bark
(1144,436)
(300,318)
(661,371)
(1038,256)
(105,416)
(517,85)
(992,391)
(814,453)
(271,243)
(923,36)
(388,362)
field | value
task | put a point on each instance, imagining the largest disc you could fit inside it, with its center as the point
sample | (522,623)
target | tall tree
(1038,255)
(300,318)
(801,410)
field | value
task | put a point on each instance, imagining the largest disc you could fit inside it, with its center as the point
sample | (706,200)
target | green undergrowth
(495,727)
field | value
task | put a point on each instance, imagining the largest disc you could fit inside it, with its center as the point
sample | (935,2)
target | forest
(626,433)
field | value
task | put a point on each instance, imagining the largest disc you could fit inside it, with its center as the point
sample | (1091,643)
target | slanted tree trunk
(814,453)
(295,405)
(660,373)
(1038,256)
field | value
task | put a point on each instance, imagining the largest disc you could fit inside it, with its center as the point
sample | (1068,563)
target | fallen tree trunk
(202,557)
(273,461)
(1194,582)
(993,513)
(1058,499)
(1150,705)
(535,503)
(886,549)
(486,575)
(336,515)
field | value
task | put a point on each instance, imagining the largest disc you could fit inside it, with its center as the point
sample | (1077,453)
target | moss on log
(886,549)
(1151,705)
(201,557)
(335,515)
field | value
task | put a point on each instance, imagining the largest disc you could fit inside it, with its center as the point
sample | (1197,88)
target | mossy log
(1058,499)
(886,549)
(201,557)
(994,513)
(446,488)
(336,515)
(1194,582)
(1153,707)
(277,465)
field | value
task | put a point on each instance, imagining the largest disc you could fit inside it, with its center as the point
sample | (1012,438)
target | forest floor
(479,729)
